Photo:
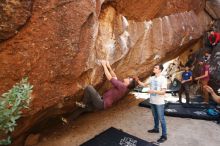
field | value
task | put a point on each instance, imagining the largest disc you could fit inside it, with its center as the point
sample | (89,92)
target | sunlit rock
(61,46)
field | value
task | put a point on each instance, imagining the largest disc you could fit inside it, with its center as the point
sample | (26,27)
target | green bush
(11,104)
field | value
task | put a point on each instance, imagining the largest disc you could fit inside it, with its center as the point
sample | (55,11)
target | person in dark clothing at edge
(92,100)
(185,84)
(158,86)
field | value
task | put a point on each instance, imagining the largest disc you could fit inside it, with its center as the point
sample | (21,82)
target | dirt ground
(135,120)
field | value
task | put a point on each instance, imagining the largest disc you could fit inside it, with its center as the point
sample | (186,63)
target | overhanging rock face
(146,9)
(213,8)
(60,47)
(142,44)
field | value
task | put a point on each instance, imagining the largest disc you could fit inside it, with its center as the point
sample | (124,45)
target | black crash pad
(194,111)
(146,103)
(115,137)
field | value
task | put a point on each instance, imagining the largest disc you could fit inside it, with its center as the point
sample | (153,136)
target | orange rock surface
(59,48)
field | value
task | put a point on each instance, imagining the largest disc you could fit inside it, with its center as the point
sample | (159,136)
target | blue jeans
(158,114)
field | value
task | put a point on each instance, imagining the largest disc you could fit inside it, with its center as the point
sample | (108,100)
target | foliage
(11,104)
(6,141)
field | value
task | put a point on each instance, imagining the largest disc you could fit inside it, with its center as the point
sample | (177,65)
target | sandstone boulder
(60,47)
(213,8)
(14,14)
